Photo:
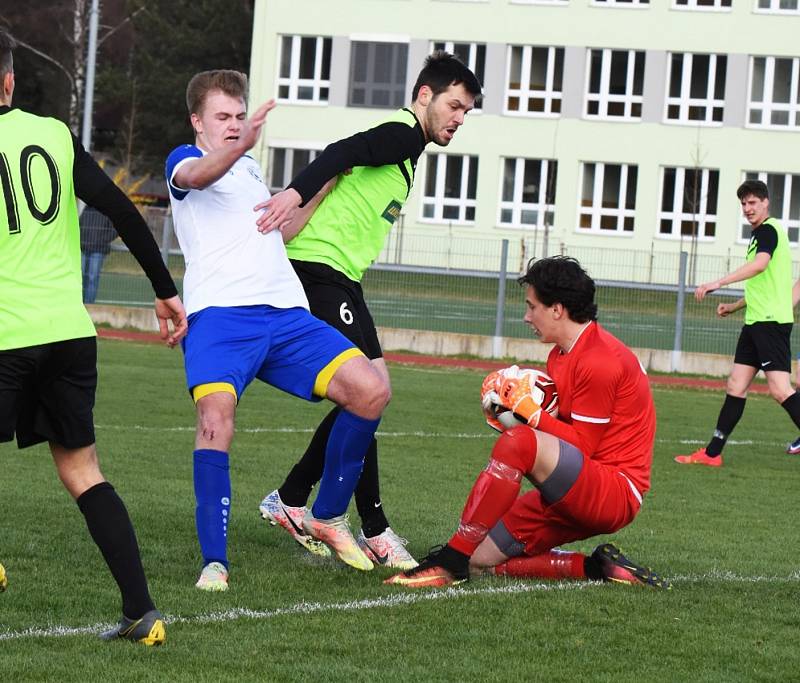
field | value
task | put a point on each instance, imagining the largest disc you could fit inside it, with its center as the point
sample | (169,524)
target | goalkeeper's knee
(514,450)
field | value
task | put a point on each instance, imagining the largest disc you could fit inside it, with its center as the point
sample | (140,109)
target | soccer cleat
(290,518)
(699,457)
(794,447)
(335,533)
(214,578)
(148,630)
(443,566)
(617,568)
(387,549)
(3,578)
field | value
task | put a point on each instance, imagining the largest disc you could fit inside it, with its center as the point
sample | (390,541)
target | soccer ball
(3,579)
(543,391)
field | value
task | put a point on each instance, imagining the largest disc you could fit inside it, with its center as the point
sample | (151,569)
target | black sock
(368,495)
(729,416)
(308,470)
(112,531)
(792,406)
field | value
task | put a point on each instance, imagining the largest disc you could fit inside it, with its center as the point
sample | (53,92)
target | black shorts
(47,393)
(339,301)
(765,346)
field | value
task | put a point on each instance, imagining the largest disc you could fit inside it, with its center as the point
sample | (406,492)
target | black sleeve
(389,143)
(766,239)
(96,189)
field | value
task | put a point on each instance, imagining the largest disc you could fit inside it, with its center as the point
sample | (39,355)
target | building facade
(621,125)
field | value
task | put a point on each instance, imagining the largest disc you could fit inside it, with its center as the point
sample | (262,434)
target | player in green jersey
(344,231)
(764,340)
(48,350)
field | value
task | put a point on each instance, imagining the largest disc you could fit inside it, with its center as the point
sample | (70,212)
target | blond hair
(232,83)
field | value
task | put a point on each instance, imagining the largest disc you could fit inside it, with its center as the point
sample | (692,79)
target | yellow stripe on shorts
(325,375)
(202,390)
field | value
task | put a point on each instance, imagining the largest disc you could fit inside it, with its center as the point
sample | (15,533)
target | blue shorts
(285,347)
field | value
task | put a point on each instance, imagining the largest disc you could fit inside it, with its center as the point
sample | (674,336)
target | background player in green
(48,349)
(764,340)
(343,236)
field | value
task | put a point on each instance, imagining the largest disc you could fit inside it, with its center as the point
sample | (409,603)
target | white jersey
(228,262)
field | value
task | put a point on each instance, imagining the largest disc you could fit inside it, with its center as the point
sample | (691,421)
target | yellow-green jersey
(42,169)
(348,229)
(769,294)
(40,272)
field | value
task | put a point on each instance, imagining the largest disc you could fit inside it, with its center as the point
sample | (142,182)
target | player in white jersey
(249,319)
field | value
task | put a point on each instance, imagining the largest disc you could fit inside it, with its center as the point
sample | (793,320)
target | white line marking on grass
(303,430)
(389,601)
(488,434)
(395,600)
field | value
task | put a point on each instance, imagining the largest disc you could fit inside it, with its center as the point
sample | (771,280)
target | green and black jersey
(769,294)
(42,169)
(348,229)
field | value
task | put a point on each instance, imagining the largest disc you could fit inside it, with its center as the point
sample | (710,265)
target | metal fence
(454,284)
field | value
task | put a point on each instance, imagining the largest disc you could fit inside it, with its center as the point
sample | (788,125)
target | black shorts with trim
(339,301)
(47,393)
(765,346)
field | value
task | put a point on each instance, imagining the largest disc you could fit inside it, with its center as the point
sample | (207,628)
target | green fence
(452,285)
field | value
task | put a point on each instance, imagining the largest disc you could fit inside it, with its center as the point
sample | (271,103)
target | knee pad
(514,452)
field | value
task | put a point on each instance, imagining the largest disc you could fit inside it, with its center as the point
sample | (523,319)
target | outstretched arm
(201,172)
(748,270)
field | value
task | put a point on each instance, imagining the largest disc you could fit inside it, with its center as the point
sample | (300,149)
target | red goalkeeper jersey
(605,401)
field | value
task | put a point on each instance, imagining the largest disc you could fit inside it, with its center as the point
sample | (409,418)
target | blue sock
(212,491)
(348,442)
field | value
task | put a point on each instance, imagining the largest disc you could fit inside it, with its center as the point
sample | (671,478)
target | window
(696,88)
(615,84)
(702,4)
(778,6)
(774,97)
(451,183)
(472,54)
(608,197)
(688,202)
(784,202)
(285,163)
(533,80)
(305,69)
(378,74)
(528,192)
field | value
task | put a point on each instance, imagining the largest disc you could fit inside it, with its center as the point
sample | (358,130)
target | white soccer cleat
(336,534)
(290,518)
(387,549)
(214,578)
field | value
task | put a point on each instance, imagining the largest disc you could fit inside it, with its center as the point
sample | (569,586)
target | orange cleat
(699,457)
(442,567)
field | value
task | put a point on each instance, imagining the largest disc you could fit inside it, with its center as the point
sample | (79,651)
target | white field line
(488,434)
(389,601)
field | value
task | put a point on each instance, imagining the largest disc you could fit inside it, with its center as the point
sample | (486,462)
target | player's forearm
(795,293)
(201,172)
(559,429)
(748,270)
(95,188)
(304,213)
(738,305)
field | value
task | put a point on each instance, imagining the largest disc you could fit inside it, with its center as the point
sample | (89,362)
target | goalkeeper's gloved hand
(514,392)
(490,399)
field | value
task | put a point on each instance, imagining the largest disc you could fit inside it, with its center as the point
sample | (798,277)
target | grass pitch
(727,538)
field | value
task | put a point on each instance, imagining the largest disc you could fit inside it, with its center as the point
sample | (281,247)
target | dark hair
(756,188)
(7,46)
(232,83)
(442,70)
(560,279)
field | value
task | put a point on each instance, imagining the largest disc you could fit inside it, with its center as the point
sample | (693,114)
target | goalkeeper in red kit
(590,466)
